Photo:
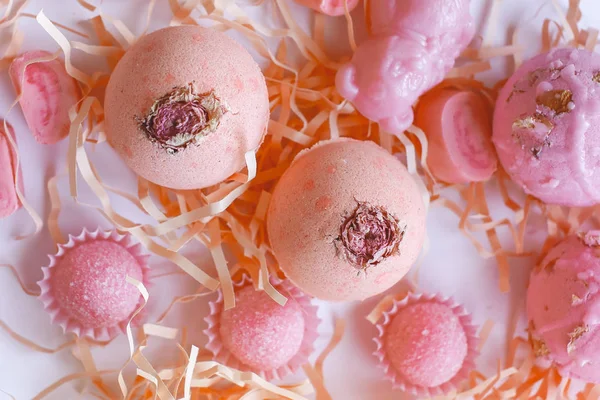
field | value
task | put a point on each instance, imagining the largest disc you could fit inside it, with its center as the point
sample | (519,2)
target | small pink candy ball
(346,221)
(261,333)
(184,105)
(547,127)
(563,307)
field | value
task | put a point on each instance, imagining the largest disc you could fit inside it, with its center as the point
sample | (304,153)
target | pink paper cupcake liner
(398,381)
(59,316)
(311,323)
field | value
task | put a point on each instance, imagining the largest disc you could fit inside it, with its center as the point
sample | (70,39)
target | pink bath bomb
(261,333)
(547,127)
(563,306)
(184,105)
(346,221)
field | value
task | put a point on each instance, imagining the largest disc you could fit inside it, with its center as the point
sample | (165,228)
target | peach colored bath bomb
(458,125)
(330,7)
(47,95)
(547,127)
(9,201)
(184,105)
(346,221)
(563,306)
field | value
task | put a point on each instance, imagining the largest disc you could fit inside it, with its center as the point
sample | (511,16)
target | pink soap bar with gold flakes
(329,7)
(9,202)
(47,95)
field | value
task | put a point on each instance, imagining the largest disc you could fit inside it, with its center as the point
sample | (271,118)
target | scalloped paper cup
(60,316)
(311,323)
(398,381)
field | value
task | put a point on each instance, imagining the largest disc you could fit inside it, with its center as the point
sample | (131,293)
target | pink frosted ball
(89,283)
(259,332)
(426,344)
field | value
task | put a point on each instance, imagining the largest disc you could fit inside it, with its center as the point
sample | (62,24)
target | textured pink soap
(563,306)
(47,95)
(329,7)
(9,201)
(261,333)
(210,107)
(547,127)
(346,220)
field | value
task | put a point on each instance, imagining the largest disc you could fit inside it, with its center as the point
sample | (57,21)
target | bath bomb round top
(563,307)
(89,283)
(426,344)
(184,105)
(346,221)
(261,333)
(547,127)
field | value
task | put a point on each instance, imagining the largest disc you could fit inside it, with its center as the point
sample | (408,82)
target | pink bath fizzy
(184,105)
(563,307)
(84,287)
(458,125)
(258,334)
(413,45)
(48,92)
(346,221)
(426,345)
(329,7)
(9,201)
(547,127)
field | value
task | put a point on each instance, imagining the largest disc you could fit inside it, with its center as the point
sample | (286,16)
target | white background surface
(452,266)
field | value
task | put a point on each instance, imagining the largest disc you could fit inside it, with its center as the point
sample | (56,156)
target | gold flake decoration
(577,333)
(556,100)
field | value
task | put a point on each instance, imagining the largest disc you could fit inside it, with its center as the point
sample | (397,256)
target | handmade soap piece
(329,7)
(412,46)
(547,127)
(458,125)
(346,221)
(260,335)
(85,289)
(563,306)
(9,201)
(47,95)
(426,345)
(184,105)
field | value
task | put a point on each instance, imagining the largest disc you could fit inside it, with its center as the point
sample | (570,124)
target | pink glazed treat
(413,45)
(47,95)
(563,306)
(260,335)
(329,7)
(184,105)
(346,221)
(426,345)
(547,127)
(9,201)
(85,289)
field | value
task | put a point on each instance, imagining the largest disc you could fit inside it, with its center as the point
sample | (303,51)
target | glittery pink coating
(85,289)
(563,306)
(426,344)
(329,7)
(47,94)
(313,199)
(553,154)
(459,132)
(413,45)
(9,201)
(259,335)
(176,57)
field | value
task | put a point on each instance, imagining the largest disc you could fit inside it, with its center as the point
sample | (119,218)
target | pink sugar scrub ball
(346,221)
(563,307)
(547,127)
(426,345)
(9,201)
(329,7)
(184,105)
(85,289)
(260,335)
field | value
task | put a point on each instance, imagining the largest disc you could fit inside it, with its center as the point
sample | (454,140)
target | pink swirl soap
(547,127)
(563,307)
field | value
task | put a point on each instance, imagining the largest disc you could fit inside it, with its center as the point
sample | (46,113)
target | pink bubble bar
(547,127)
(563,307)
(413,45)
(329,7)
(47,95)
(9,201)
